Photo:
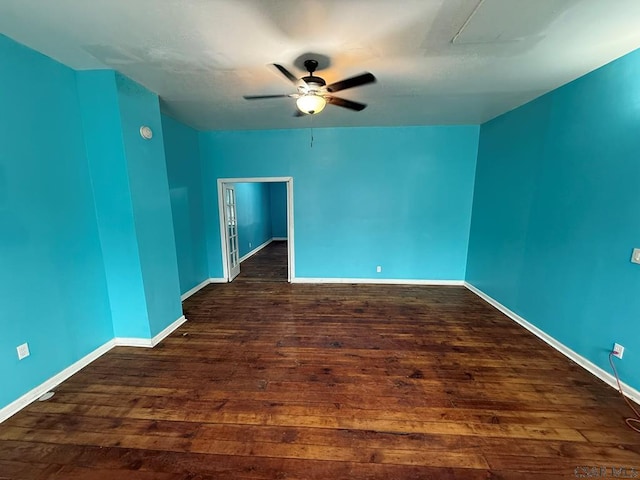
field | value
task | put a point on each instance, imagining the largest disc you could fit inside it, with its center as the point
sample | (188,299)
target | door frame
(290,226)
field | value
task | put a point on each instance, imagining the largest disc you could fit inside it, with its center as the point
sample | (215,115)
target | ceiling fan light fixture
(311,103)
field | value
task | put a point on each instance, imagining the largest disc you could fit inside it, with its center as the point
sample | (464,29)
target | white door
(231,223)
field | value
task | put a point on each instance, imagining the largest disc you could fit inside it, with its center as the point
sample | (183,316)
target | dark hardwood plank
(269,264)
(269,380)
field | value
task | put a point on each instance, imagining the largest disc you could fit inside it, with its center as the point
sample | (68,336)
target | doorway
(228,223)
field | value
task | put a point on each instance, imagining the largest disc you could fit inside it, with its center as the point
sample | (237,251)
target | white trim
(32,395)
(380,281)
(591,367)
(279,239)
(255,250)
(167,331)
(200,286)
(224,249)
(149,342)
(217,280)
(132,342)
(291,252)
(195,289)
(255,180)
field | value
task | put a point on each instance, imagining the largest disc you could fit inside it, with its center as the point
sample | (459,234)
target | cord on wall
(632,422)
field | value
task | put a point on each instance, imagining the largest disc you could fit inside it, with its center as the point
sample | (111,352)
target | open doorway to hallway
(256,227)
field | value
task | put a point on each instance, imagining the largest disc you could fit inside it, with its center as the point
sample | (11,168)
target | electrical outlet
(378,269)
(618,350)
(249,244)
(23,351)
(635,256)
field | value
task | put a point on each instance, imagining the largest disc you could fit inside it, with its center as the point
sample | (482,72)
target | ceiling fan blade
(286,73)
(341,102)
(258,97)
(356,81)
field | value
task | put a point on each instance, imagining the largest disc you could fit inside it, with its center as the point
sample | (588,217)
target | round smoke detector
(146,132)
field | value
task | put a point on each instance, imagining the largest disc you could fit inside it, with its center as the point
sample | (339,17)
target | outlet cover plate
(618,350)
(635,256)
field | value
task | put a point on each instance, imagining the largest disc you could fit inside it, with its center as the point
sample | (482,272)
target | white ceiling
(436,61)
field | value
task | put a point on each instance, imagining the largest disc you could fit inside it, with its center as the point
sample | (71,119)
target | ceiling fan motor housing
(312,79)
(311,84)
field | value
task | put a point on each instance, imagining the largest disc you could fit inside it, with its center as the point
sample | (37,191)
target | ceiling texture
(436,61)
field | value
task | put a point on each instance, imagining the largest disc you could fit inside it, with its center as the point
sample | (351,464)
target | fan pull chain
(311,128)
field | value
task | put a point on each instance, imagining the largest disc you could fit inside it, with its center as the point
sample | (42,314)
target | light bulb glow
(311,103)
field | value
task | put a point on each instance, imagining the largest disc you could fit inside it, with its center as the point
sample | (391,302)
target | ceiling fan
(313,92)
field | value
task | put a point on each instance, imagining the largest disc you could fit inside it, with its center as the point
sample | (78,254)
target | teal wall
(555,213)
(114,209)
(253,209)
(53,291)
(278,202)
(87,247)
(395,197)
(151,202)
(185,186)
(132,202)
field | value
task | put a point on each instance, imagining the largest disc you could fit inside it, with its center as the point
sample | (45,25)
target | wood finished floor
(269,380)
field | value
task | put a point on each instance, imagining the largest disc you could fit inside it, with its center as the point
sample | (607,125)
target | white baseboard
(254,251)
(591,367)
(167,331)
(29,397)
(132,342)
(380,281)
(32,395)
(200,286)
(195,289)
(149,342)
